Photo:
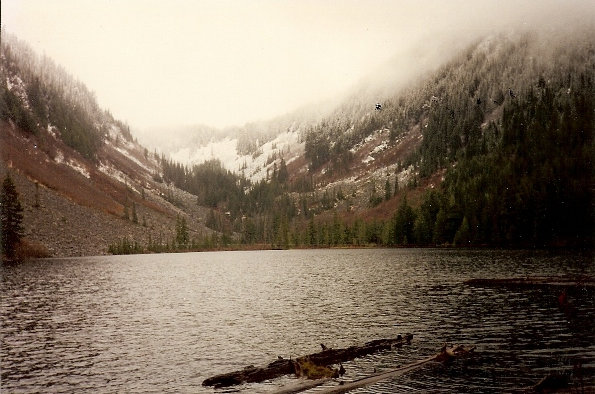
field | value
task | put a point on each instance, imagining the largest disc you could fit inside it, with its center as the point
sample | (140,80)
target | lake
(164,323)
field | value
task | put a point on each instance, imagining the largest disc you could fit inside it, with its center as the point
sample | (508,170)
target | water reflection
(163,323)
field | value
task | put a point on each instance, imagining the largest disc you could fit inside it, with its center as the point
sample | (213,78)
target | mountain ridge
(355,176)
(102,182)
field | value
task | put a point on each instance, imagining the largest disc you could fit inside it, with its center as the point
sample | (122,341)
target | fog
(219,63)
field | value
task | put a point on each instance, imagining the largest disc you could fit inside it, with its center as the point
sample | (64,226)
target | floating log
(446,353)
(280,367)
(303,385)
(561,281)
(552,383)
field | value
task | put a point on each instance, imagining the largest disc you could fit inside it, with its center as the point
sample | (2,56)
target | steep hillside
(84,182)
(510,118)
(494,147)
(506,122)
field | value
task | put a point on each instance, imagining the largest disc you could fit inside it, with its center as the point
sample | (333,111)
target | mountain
(488,145)
(84,182)
(493,147)
(249,149)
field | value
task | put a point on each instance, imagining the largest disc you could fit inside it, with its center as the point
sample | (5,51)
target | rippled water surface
(164,323)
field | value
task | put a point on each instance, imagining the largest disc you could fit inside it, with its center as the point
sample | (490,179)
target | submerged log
(277,368)
(562,281)
(446,353)
(251,374)
(302,385)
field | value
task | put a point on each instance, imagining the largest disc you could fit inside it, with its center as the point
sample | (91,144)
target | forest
(516,142)
(41,93)
(509,122)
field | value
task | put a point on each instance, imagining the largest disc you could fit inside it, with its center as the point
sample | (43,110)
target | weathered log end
(223,380)
(455,351)
(305,367)
(552,383)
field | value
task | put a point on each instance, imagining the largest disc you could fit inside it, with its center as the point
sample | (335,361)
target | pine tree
(36,204)
(283,174)
(212,221)
(134,216)
(404,221)
(387,190)
(11,214)
(182,237)
(463,235)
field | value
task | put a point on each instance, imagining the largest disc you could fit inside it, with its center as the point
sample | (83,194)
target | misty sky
(155,62)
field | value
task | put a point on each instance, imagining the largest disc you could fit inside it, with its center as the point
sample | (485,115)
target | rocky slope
(79,172)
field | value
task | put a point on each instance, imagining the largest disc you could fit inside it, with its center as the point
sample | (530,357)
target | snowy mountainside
(84,181)
(423,126)
(253,166)
(256,148)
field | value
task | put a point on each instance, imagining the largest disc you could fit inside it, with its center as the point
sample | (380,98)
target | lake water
(164,323)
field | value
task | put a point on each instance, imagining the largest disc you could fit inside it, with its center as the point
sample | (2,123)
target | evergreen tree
(463,235)
(312,233)
(182,237)
(36,204)
(11,217)
(403,223)
(283,174)
(212,220)
(134,216)
(387,190)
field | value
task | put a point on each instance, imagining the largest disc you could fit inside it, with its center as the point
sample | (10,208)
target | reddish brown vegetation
(18,149)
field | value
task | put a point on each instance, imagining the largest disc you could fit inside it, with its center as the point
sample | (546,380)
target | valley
(451,158)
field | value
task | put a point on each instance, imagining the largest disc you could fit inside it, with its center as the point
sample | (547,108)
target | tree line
(521,180)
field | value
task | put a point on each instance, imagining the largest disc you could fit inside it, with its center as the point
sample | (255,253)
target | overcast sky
(155,62)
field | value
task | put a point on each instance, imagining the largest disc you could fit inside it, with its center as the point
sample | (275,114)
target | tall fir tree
(11,218)
(134,216)
(182,237)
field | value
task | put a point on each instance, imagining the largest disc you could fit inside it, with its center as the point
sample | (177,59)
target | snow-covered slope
(84,181)
(286,146)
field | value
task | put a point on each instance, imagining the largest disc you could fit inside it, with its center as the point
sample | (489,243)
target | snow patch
(374,135)
(53,131)
(224,150)
(79,168)
(115,174)
(16,85)
(291,159)
(127,154)
(383,146)
(286,145)
(113,132)
(59,157)
(370,137)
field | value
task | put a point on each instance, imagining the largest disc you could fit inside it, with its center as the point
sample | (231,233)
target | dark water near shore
(163,323)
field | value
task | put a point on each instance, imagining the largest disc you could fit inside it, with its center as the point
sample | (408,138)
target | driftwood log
(446,353)
(277,368)
(584,281)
